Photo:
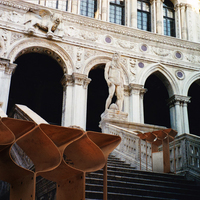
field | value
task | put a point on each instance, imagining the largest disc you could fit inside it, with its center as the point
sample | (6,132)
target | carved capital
(86,82)
(79,79)
(6,66)
(137,89)
(75,79)
(178,100)
(66,80)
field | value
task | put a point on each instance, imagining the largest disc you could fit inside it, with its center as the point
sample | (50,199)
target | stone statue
(115,79)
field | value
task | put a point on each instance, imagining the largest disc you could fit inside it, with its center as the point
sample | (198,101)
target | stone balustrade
(187,156)
(132,149)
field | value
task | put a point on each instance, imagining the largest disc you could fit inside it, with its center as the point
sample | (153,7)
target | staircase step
(138,181)
(141,192)
(125,182)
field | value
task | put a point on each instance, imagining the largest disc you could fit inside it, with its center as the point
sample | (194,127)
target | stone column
(159,16)
(178,113)
(136,103)
(183,22)
(133,5)
(75,100)
(153,15)
(75,6)
(192,30)
(178,21)
(6,69)
(104,10)
(69,8)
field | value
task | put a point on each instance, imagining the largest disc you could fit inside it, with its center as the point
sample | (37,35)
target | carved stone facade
(79,44)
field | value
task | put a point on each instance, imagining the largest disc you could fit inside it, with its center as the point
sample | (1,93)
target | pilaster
(178,113)
(6,69)
(159,16)
(183,22)
(75,99)
(133,13)
(75,6)
(178,20)
(104,10)
(153,15)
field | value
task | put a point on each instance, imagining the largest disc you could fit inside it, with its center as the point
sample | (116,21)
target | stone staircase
(124,183)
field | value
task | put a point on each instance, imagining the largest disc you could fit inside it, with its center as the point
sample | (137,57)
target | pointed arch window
(144,15)
(117,12)
(88,7)
(168,18)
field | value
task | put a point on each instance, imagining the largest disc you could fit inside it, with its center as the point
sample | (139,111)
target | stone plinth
(111,115)
(114,114)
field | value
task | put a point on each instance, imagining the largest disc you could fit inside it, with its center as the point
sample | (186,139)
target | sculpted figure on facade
(44,20)
(115,79)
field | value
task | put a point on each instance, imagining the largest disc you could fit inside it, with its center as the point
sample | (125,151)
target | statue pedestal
(110,116)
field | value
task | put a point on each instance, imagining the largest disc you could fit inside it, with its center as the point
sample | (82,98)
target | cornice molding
(14,4)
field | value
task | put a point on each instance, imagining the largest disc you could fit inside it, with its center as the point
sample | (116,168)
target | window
(143,15)
(168,18)
(58,4)
(117,12)
(88,7)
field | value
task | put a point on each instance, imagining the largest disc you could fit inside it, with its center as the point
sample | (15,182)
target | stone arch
(169,80)
(189,82)
(45,47)
(90,63)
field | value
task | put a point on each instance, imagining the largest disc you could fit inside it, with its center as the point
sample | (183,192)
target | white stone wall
(79,43)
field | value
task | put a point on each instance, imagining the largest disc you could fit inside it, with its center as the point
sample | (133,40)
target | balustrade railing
(132,149)
(187,155)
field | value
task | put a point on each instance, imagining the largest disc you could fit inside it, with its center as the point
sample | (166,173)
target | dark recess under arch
(36,84)
(156,110)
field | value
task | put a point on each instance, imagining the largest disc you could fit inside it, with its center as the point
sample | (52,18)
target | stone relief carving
(89,53)
(3,42)
(126,44)
(79,59)
(1,46)
(133,63)
(16,37)
(115,79)
(160,51)
(89,36)
(191,58)
(44,20)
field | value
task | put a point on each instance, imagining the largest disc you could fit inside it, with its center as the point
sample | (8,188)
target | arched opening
(156,110)
(194,108)
(36,84)
(97,95)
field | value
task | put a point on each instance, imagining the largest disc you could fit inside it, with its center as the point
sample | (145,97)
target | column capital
(6,66)
(75,79)
(133,88)
(178,99)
